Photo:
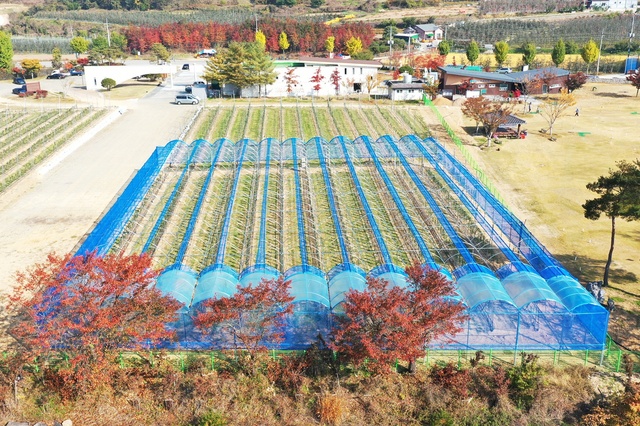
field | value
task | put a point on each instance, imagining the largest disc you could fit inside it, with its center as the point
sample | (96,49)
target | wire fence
(471,163)
(610,359)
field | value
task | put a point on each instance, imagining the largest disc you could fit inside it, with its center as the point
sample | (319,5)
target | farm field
(239,120)
(28,139)
(198,203)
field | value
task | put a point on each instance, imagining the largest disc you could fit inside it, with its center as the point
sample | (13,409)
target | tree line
(303,36)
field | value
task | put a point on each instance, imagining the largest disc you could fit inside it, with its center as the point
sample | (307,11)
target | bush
(108,83)
(451,378)
(525,381)
(331,409)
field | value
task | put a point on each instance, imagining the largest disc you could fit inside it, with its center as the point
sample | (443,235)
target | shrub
(108,83)
(330,409)
(525,381)
(451,378)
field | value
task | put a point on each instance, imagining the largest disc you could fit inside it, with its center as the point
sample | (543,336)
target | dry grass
(544,184)
(131,89)
(331,408)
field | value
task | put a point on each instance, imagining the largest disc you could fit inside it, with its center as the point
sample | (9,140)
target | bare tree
(553,107)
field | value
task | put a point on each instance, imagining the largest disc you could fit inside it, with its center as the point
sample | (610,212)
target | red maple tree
(634,78)
(251,319)
(427,62)
(290,79)
(88,307)
(382,324)
(317,78)
(335,78)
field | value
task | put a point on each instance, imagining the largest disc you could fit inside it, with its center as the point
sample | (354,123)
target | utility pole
(631,36)
(599,52)
(390,42)
(106,21)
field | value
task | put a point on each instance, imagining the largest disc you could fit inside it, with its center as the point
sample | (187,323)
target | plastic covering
(517,296)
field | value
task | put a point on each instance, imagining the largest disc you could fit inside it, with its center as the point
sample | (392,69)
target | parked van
(187,99)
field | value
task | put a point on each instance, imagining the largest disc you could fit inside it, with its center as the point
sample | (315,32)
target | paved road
(53,209)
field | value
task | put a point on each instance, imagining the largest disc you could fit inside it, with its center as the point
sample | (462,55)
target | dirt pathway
(52,210)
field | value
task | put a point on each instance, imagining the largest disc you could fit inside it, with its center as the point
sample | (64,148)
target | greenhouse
(325,215)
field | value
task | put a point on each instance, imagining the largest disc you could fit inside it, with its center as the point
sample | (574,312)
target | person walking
(577,112)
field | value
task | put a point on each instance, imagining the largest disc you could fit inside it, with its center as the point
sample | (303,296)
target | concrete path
(53,208)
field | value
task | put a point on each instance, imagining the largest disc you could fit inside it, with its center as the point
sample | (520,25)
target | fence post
(273,354)
(213,361)
(120,360)
(555,358)
(182,362)
(490,356)
(459,354)
(586,357)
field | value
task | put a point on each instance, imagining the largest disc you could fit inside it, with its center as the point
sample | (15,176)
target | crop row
(282,239)
(258,122)
(47,133)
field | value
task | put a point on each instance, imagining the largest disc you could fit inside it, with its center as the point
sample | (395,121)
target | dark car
(185,67)
(18,90)
(19,80)
(57,76)
(76,72)
(188,89)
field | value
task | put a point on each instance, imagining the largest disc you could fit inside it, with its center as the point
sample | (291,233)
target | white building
(353,78)
(615,5)
(405,89)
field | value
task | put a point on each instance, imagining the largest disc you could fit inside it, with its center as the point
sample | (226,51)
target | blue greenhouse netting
(517,296)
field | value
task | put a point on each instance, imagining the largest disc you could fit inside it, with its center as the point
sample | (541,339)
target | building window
(345,71)
(492,86)
(360,70)
(504,87)
(481,86)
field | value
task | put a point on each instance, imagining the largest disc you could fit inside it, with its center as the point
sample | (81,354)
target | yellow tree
(330,44)
(283,41)
(554,107)
(353,46)
(590,53)
(261,38)
(31,66)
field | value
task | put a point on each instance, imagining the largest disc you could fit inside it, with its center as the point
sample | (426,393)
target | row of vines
(28,139)
(613,28)
(286,213)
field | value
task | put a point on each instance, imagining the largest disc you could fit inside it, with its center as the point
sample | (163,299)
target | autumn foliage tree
(382,324)
(290,79)
(88,307)
(554,107)
(486,112)
(317,78)
(251,319)
(634,78)
(335,78)
(576,81)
